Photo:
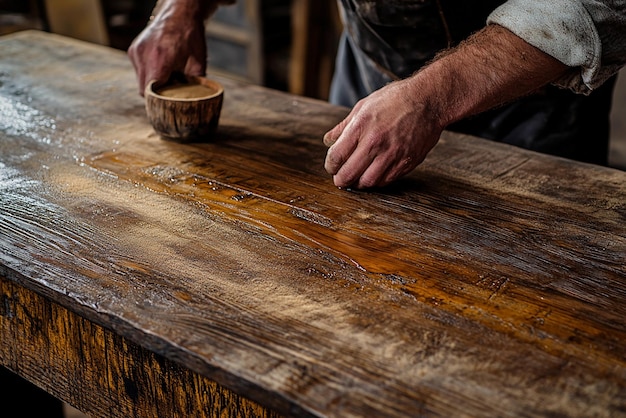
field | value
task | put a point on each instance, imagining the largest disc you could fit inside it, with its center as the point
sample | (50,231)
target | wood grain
(489,282)
(77,360)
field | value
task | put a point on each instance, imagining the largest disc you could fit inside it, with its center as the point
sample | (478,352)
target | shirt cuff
(563,29)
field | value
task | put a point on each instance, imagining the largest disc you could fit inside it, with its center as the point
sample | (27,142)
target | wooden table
(141,277)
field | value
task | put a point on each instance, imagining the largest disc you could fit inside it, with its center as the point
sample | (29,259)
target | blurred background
(283,44)
(287,45)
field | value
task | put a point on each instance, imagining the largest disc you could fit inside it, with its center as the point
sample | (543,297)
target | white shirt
(589,35)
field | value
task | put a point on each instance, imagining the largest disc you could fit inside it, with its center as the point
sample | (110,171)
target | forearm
(184,10)
(491,68)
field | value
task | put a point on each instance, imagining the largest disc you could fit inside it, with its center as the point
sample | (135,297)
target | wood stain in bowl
(186,91)
(186,110)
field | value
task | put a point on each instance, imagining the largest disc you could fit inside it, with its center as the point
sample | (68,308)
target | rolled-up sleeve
(588,35)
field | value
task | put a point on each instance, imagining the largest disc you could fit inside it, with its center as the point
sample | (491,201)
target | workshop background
(288,45)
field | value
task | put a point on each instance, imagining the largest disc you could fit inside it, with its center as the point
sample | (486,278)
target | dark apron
(388,40)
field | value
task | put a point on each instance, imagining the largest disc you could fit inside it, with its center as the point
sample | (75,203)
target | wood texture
(489,282)
(100,372)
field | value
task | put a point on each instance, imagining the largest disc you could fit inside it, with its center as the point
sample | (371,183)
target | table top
(490,281)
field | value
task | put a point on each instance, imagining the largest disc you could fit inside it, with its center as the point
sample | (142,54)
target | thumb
(197,56)
(195,66)
(159,75)
(333,135)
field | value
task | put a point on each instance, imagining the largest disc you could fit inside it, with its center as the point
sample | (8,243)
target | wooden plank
(80,19)
(316,28)
(488,282)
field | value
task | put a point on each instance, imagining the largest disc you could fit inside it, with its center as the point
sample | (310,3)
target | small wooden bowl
(185,109)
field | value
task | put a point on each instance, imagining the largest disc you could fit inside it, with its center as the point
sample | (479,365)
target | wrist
(445,91)
(425,93)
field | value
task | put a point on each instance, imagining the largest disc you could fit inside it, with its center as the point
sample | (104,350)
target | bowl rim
(153,85)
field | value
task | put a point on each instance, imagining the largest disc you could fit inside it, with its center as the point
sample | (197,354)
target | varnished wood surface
(490,282)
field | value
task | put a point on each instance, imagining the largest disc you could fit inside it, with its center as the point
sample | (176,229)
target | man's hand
(391,131)
(172,42)
(385,136)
